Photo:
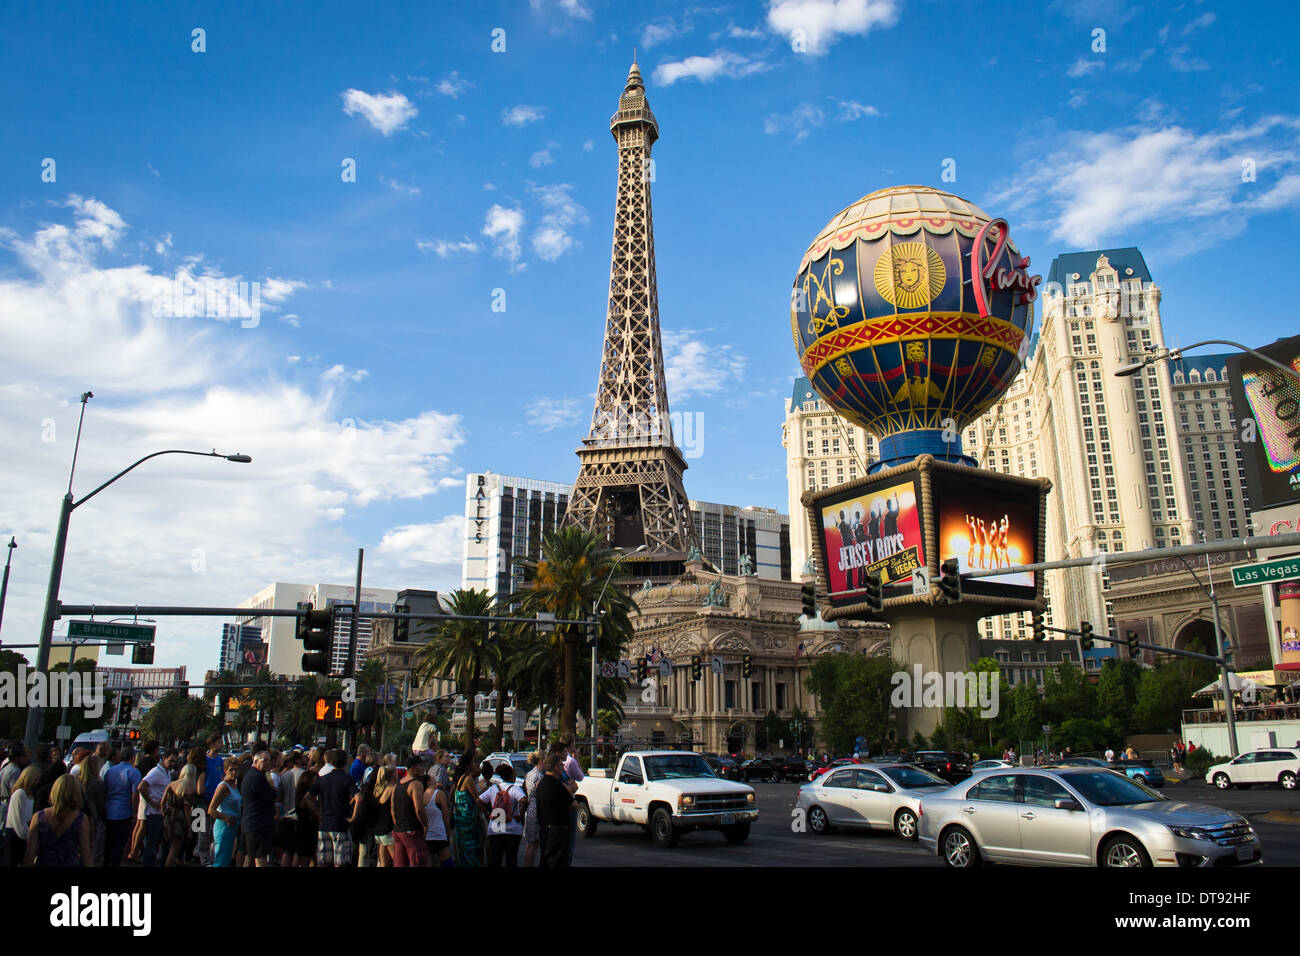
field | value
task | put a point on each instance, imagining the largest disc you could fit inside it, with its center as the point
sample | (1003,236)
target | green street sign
(1266,572)
(120,633)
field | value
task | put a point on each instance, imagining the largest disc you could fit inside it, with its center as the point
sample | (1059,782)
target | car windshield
(1110,789)
(909,778)
(676,766)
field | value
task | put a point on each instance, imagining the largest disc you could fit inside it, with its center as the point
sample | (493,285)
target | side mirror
(1068,804)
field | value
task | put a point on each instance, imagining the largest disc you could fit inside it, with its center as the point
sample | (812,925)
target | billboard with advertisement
(986,523)
(875,528)
(1271,398)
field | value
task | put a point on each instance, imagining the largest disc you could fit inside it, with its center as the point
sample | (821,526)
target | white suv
(1258,766)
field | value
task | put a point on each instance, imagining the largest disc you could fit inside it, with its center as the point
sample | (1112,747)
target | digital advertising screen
(871,530)
(1270,398)
(987,524)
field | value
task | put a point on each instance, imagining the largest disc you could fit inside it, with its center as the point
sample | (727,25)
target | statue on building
(693,554)
(646,586)
(746,565)
(809,568)
(715,597)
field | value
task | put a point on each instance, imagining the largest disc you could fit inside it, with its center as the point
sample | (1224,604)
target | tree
(967,724)
(772,730)
(1117,691)
(571,576)
(1166,691)
(175,717)
(853,692)
(1067,694)
(460,650)
(1026,711)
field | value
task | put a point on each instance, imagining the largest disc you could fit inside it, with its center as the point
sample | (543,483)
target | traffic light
(875,595)
(642,670)
(1085,635)
(124,709)
(697,667)
(950,581)
(1133,649)
(809,601)
(365,711)
(746,666)
(314,629)
(1040,630)
(402,625)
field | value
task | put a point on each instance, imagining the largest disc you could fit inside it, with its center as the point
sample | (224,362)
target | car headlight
(687,801)
(1191,833)
(749,797)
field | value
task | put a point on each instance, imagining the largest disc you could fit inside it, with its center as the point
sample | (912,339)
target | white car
(875,797)
(1274,765)
(997,764)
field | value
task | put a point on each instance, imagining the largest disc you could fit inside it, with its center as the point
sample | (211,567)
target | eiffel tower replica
(629,486)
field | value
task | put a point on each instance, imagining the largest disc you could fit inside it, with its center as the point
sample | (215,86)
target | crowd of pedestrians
(299,808)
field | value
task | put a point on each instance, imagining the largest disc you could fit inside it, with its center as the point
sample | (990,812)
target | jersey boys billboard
(871,530)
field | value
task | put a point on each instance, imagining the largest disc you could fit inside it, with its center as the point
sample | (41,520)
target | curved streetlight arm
(1156,356)
(169,451)
(621,559)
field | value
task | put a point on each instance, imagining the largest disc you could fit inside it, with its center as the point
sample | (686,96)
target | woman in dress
(225,808)
(60,836)
(437,811)
(532,832)
(177,808)
(466,813)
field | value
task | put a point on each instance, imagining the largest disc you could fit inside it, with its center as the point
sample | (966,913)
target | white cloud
(386,113)
(452,85)
(562,212)
(573,8)
(1111,13)
(1108,184)
(739,33)
(1078,98)
(1179,61)
(337,373)
(440,543)
(660,31)
(800,122)
(550,413)
(1204,20)
(397,187)
(851,110)
(588,146)
(543,157)
(693,368)
(502,226)
(291,319)
(708,68)
(179,530)
(446,247)
(1084,66)
(821,22)
(162,245)
(522,115)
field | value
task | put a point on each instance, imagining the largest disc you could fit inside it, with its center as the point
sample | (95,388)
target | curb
(1289,817)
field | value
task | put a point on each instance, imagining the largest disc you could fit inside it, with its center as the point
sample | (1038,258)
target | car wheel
(905,824)
(959,850)
(736,833)
(586,820)
(818,822)
(662,831)
(1287,780)
(1124,851)
(1223,781)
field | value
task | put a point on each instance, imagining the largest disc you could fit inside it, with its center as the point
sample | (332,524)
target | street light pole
(1162,354)
(4,586)
(36,715)
(1223,662)
(595,616)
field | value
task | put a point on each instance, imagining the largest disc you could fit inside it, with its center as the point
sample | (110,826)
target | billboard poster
(871,530)
(987,524)
(1270,398)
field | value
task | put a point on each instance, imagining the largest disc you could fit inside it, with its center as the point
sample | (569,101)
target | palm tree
(567,582)
(461,650)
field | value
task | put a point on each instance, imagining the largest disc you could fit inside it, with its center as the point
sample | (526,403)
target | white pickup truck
(669,792)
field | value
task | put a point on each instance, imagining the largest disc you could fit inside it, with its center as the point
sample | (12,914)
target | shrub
(1199,761)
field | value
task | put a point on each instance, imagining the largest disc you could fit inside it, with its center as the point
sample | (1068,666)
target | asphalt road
(772,842)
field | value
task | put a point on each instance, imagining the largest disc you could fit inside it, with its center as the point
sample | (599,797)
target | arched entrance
(1196,635)
(736,738)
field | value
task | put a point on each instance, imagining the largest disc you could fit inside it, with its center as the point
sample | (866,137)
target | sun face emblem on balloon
(988,355)
(909,275)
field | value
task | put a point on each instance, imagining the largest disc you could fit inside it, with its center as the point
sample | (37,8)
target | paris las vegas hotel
(1135,462)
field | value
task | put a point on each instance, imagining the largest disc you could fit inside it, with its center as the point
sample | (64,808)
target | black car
(724,767)
(774,769)
(952,765)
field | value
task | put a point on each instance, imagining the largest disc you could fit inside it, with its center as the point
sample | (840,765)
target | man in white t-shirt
(423,742)
(151,790)
(505,823)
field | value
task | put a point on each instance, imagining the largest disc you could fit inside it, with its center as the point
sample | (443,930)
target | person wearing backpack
(508,804)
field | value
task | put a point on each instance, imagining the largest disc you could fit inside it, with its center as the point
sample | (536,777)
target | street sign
(716,664)
(625,669)
(665,668)
(921,581)
(117,650)
(97,630)
(608,669)
(1266,572)
(545,622)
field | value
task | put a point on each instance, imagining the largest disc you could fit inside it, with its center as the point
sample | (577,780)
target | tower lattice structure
(629,486)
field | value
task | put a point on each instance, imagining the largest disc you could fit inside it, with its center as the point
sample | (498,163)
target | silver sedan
(1078,816)
(878,797)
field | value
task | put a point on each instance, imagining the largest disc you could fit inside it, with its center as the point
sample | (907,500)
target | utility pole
(350,667)
(1223,661)
(4,586)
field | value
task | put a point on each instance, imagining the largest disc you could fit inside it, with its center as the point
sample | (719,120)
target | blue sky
(377,373)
